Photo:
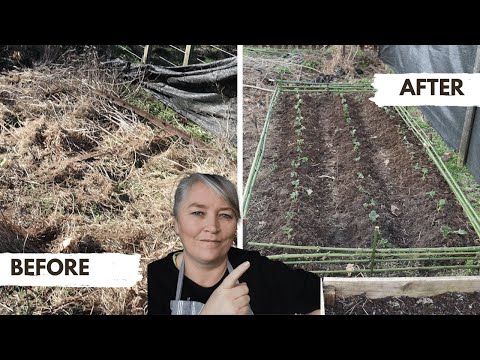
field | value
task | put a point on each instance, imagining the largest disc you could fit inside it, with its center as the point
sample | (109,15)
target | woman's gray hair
(219,184)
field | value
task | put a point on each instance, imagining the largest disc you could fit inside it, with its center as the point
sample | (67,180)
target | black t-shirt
(274,288)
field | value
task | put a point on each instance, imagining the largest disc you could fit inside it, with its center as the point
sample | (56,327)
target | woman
(210,276)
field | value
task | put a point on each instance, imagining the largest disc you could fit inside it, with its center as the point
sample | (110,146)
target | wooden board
(322,302)
(375,288)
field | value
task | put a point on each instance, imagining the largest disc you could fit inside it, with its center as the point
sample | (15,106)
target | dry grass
(79,174)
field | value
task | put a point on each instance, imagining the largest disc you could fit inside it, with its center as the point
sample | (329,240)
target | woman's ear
(176,225)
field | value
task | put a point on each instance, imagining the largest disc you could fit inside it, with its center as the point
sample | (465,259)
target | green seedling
(295,183)
(441,204)
(471,262)
(309,191)
(295,164)
(360,175)
(460,232)
(417,166)
(445,230)
(431,193)
(272,168)
(293,174)
(294,196)
(384,243)
(356,144)
(304,159)
(373,216)
(290,215)
(287,230)
(424,172)
(357,159)
(371,203)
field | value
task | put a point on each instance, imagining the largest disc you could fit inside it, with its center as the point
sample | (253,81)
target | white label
(427,89)
(70,270)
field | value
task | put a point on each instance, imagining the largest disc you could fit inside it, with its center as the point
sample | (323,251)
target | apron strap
(180,279)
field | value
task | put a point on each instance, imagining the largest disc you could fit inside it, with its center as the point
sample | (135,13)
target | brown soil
(384,174)
(381,174)
(444,304)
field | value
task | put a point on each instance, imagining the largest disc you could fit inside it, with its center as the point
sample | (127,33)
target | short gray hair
(218,183)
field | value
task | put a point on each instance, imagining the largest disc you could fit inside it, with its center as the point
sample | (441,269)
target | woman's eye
(197,213)
(225,216)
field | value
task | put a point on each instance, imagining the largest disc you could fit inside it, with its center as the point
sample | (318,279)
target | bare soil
(444,304)
(381,173)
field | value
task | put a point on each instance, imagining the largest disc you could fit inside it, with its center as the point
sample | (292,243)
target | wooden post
(146,50)
(468,123)
(377,287)
(188,54)
(329,295)
(344,50)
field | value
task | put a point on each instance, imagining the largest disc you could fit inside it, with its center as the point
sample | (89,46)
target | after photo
(382,203)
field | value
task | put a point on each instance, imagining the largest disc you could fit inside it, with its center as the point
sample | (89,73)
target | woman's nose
(211,224)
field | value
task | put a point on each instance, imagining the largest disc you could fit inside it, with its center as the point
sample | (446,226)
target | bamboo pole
(364,255)
(355,261)
(467,207)
(257,160)
(188,54)
(146,51)
(368,250)
(451,267)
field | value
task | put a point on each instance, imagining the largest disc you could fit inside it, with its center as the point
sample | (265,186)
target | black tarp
(446,120)
(204,93)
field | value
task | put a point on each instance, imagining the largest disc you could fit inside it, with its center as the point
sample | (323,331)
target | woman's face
(206,224)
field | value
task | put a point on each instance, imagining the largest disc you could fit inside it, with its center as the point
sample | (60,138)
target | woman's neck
(205,275)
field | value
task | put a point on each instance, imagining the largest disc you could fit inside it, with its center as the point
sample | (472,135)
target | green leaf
(445,230)
(460,232)
(373,215)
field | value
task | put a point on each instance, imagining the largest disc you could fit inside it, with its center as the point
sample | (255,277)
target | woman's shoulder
(165,262)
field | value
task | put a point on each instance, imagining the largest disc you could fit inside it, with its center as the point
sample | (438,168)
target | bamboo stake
(398,269)
(355,261)
(320,248)
(363,254)
(467,207)
(252,176)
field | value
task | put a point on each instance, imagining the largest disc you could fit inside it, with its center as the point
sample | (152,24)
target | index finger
(232,278)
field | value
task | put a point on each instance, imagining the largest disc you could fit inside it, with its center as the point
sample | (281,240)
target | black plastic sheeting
(204,93)
(446,120)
